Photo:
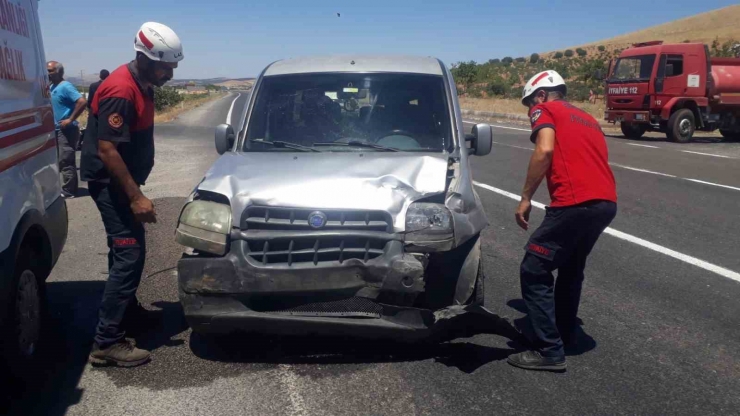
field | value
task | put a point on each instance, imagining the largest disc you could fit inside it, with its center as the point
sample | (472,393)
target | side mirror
(224,138)
(669,70)
(481,139)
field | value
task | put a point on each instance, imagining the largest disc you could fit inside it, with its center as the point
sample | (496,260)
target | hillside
(503,77)
(722,25)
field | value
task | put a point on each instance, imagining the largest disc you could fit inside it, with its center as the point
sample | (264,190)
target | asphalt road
(660,314)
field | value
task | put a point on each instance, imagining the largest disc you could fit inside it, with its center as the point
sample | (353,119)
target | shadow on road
(52,386)
(255,348)
(647,139)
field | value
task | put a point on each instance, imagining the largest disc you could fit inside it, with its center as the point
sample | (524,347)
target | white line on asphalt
(708,154)
(497,126)
(643,145)
(641,170)
(713,184)
(636,240)
(290,380)
(516,147)
(228,116)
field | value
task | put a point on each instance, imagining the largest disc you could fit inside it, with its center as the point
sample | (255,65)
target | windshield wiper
(287,145)
(359,144)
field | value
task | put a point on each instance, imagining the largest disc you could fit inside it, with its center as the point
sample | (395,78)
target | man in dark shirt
(94,87)
(116,160)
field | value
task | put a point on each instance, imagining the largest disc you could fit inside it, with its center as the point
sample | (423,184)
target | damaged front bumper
(366,285)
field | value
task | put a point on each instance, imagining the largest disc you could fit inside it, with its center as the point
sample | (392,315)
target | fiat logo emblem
(317,219)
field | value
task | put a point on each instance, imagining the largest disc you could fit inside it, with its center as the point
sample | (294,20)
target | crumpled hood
(368,181)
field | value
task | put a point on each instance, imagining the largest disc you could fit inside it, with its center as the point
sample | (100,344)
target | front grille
(354,306)
(314,249)
(271,218)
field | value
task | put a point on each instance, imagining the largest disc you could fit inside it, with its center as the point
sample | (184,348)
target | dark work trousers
(563,243)
(67,144)
(126,255)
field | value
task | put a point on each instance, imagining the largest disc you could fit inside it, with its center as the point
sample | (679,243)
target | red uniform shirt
(580,169)
(123,113)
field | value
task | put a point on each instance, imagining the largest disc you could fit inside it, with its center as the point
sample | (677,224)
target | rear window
(407,112)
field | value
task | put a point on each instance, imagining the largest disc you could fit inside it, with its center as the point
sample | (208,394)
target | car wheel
(681,126)
(22,331)
(730,136)
(633,130)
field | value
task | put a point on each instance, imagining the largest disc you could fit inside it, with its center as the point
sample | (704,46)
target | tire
(681,126)
(633,130)
(22,332)
(730,136)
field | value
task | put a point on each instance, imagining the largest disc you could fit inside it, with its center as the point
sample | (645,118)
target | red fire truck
(675,89)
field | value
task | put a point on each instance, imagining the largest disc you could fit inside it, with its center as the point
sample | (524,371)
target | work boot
(123,354)
(533,360)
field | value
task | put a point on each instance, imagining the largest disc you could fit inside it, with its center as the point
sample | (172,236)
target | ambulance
(33,215)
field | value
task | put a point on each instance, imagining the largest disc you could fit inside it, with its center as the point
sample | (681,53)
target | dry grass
(511,106)
(232,83)
(172,112)
(704,28)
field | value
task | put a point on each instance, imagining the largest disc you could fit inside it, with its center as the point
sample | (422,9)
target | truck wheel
(730,136)
(633,130)
(681,126)
(22,331)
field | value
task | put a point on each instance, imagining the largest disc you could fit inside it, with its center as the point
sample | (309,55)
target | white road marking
(636,240)
(708,154)
(516,147)
(290,380)
(713,184)
(500,127)
(643,145)
(641,170)
(228,116)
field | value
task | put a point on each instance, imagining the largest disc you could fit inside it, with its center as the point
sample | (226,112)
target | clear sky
(237,38)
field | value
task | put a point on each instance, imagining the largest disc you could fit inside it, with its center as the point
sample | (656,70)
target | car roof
(356,63)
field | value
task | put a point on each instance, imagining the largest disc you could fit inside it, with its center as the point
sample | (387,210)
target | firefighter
(117,159)
(571,152)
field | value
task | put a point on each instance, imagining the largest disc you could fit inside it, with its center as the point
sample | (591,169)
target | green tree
(465,73)
(165,97)
(581,52)
(534,58)
(507,60)
(568,53)
(602,48)
(521,59)
(495,61)
(558,55)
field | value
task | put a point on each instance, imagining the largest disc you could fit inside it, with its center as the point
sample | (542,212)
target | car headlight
(205,226)
(428,218)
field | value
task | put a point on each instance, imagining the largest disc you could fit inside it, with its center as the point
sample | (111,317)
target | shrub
(507,60)
(581,52)
(496,88)
(602,48)
(495,61)
(521,59)
(534,58)
(568,53)
(166,97)
(558,55)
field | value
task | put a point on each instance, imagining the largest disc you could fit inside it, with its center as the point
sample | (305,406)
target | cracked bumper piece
(357,297)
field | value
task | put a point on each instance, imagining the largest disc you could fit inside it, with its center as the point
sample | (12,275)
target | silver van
(342,204)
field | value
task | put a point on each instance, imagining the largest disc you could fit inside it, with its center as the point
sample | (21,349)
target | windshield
(343,112)
(634,68)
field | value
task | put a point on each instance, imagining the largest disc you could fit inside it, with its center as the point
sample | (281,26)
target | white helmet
(547,79)
(158,42)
